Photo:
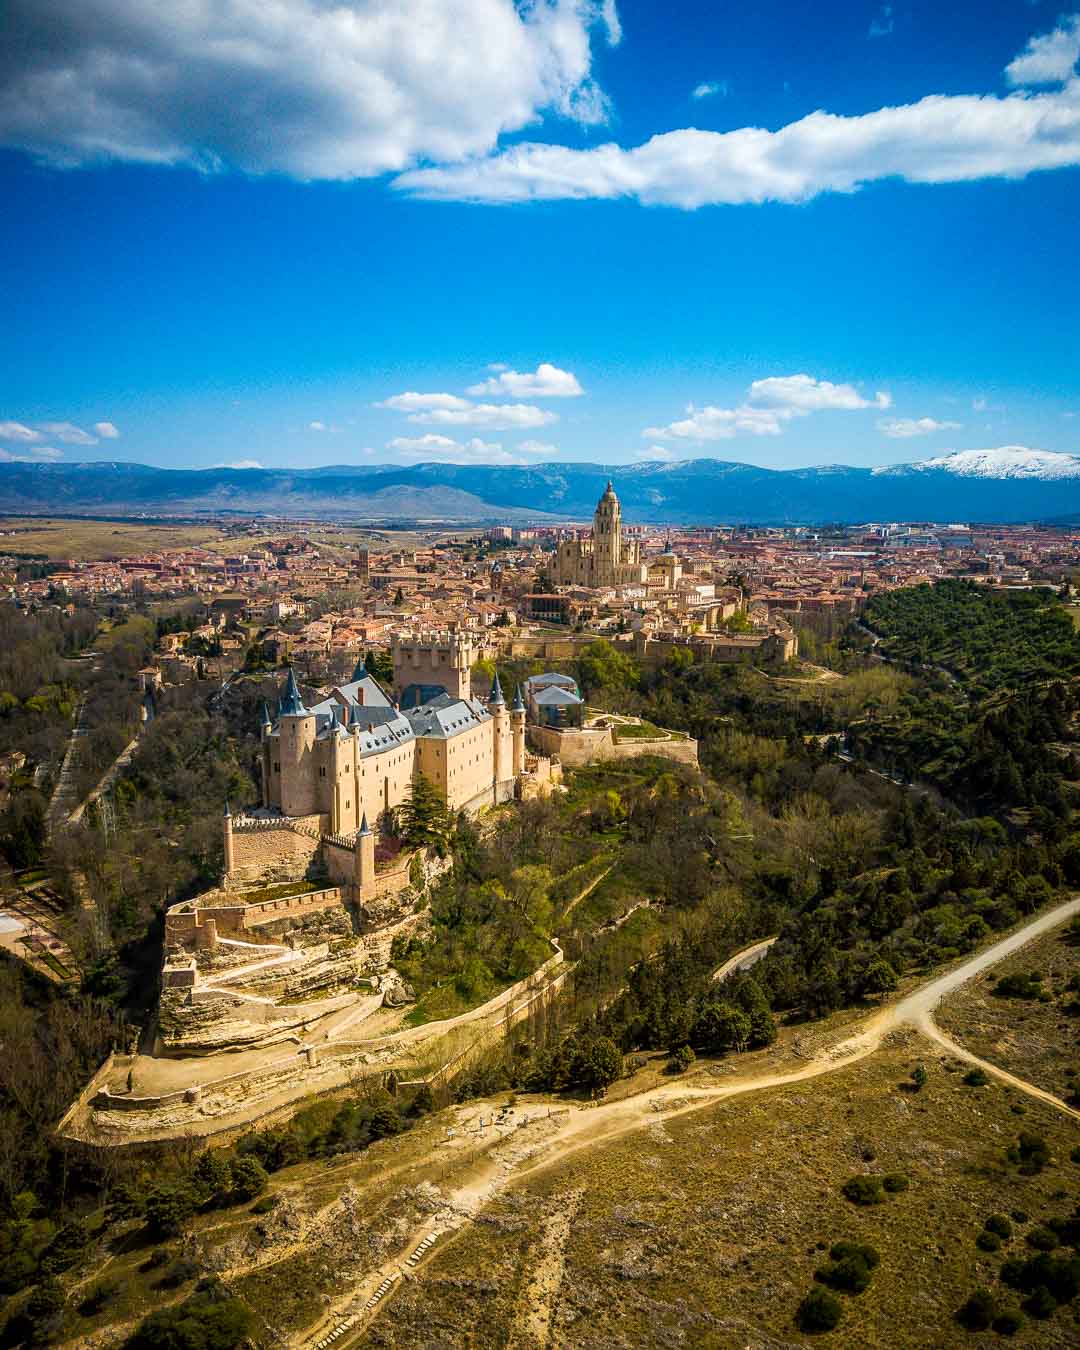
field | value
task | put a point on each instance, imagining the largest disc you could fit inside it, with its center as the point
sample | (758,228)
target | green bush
(1030,1152)
(988,1242)
(1041,1303)
(265,1204)
(682,1059)
(209,1320)
(98,1296)
(978,1312)
(895,1182)
(1042,1239)
(850,1269)
(999,1224)
(976,1078)
(1008,1322)
(168,1208)
(247,1179)
(819,1311)
(864,1190)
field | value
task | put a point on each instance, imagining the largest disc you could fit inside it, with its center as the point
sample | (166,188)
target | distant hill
(1007,485)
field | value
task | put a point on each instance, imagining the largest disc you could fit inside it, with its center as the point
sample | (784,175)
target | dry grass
(1036,1040)
(87,540)
(706,1230)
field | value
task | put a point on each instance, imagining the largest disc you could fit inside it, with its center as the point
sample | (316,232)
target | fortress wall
(308,903)
(271,849)
(575,747)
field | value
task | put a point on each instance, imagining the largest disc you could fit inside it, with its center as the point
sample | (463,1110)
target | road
(514,1158)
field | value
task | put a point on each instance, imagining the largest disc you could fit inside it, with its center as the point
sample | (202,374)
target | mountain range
(1010,484)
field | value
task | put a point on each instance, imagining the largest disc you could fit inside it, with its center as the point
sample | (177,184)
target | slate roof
(445,717)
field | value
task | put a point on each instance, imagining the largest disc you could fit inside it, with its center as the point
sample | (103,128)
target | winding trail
(511,1159)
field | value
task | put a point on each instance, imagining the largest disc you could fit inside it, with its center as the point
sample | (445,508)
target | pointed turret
(264,715)
(364,827)
(292,705)
(360,671)
(495,698)
(228,813)
(518,704)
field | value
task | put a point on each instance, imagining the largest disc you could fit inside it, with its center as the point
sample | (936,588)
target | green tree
(599,1063)
(422,819)
(248,1178)
(601,666)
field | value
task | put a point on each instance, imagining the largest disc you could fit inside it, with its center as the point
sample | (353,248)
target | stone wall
(268,849)
(576,747)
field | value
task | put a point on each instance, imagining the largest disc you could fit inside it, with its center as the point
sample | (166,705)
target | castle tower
(297,753)
(517,733)
(443,659)
(230,857)
(497,708)
(265,728)
(607,537)
(364,874)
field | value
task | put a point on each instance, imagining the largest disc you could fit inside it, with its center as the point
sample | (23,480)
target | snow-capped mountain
(1009,484)
(1006,461)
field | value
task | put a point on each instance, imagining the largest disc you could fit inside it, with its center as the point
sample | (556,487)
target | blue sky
(231,241)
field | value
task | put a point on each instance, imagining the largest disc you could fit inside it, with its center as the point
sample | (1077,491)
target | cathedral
(604,560)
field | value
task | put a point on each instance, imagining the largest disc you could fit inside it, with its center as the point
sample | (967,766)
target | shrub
(1040,1303)
(1030,1152)
(1008,1322)
(999,1224)
(385,1121)
(1042,1239)
(206,1320)
(978,1312)
(1060,1275)
(682,1059)
(181,1270)
(1074,1156)
(988,1242)
(975,1078)
(919,1077)
(265,1204)
(1019,1215)
(248,1178)
(819,1311)
(863,1190)
(167,1209)
(1028,985)
(98,1297)
(850,1269)
(895,1182)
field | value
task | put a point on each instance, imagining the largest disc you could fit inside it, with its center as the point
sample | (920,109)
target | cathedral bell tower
(607,538)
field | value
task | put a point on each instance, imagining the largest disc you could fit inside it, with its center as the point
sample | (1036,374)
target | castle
(604,560)
(354,755)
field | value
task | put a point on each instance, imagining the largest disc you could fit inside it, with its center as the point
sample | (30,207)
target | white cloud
(940,139)
(720,424)
(414,402)
(900,428)
(538,447)
(882,23)
(489,416)
(804,394)
(39,454)
(301,87)
(443,449)
(770,403)
(546,381)
(318,426)
(69,433)
(1050,58)
(16,431)
(610,16)
(239,464)
(107,431)
(708,88)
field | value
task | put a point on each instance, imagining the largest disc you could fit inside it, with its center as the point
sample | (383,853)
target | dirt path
(537,1306)
(581,895)
(533,1150)
(749,956)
